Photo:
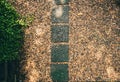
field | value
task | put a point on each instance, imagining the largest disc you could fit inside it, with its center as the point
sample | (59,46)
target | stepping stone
(59,53)
(59,72)
(60,33)
(62,2)
(60,14)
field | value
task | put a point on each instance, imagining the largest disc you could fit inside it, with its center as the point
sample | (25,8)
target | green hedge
(11,34)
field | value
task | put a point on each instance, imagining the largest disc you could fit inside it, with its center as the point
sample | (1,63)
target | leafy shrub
(11,33)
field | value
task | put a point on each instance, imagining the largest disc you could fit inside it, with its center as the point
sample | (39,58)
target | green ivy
(11,33)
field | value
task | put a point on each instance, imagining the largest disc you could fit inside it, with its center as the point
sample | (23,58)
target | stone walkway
(60,34)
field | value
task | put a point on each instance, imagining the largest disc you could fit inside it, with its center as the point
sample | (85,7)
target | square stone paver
(60,14)
(62,2)
(60,33)
(59,72)
(59,53)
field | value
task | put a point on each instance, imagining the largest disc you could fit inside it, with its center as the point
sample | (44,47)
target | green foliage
(26,20)
(11,33)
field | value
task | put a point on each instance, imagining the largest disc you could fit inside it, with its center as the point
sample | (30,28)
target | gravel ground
(94,48)
(36,63)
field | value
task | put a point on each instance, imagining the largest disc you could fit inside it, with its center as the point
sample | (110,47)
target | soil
(94,40)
